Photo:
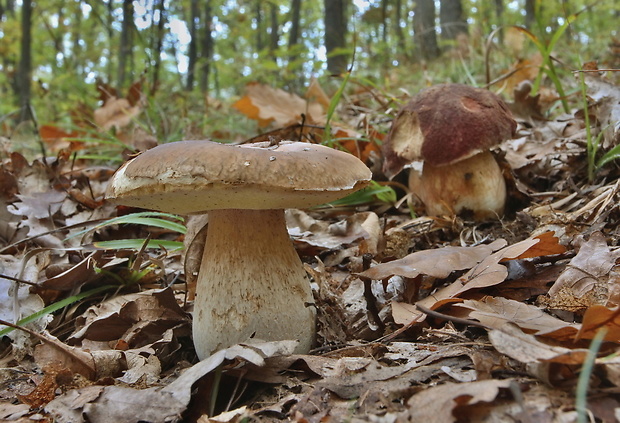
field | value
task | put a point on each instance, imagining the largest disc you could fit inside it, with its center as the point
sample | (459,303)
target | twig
(54,343)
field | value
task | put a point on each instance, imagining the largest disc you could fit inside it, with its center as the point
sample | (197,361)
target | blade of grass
(136,244)
(55,307)
(141,218)
(332,108)
(581,395)
(373,192)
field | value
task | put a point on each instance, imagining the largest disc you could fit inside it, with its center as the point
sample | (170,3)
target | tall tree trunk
(110,27)
(126,46)
(159,44)
(335,35)
(384,23)
(274,36)
(398,29)
(293,36)
(499,11)
(451,19)
(9,62)
(258,17)
(530,13)
(207,49)
(424,29)
(75,61)
(192,54)
(25,63)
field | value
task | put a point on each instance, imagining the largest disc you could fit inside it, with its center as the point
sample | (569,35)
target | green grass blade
(141,218)
(332,108)
(57,306)
(581,396)
(136,244)
(371,193)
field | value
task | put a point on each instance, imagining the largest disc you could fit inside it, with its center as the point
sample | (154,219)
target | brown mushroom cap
(196,176)
(444,124)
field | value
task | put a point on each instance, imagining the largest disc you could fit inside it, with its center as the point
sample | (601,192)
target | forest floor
(433,319)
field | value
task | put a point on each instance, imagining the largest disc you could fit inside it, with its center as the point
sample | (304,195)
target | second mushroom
(451,128)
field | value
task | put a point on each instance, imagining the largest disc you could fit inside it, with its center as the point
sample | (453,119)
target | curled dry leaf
(439,403)
(267,104)
(588,272)
(607,96)
(438,263)
(137,319)
(158,404)
(516,344)
(116,113)
(598,317)
(485,273)
(495,312)
(327,235)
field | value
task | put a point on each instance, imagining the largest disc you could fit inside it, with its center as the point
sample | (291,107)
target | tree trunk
(424,29)
(530,13)
(451,18)
(9,62)
(111,47)
(207,49)
(274,38)
(192,54)
(25,63)
(293,35)
(398,29)
(159,43)
(335,35)
(384,23)
(125,43)
(258,17)
(75,61)
(499,11)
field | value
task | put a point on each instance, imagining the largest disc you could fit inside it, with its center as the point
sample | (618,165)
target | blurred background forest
(185,62)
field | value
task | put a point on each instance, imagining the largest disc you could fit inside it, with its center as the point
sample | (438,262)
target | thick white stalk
(251,284)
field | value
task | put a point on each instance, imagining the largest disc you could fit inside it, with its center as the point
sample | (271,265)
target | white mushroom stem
(476,184)
(251,284)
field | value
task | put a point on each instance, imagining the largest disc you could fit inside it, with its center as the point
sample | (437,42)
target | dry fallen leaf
(516,344)
(116,113)
(121,404)
(588,278)
(597,317)
(439,262)
(495,312)
(267,104)
(440,403)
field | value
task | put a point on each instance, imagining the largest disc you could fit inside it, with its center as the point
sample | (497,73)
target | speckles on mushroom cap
(446,123)
(196,176)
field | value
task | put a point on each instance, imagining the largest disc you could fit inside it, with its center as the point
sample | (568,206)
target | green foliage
(549,68)
(76,42)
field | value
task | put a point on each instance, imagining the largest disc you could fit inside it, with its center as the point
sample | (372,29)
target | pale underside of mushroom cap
(196,176)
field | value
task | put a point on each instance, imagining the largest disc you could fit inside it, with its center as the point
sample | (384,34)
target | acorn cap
(444,124)
(188,177)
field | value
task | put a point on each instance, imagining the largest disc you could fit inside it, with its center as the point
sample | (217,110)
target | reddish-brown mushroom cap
(444,124)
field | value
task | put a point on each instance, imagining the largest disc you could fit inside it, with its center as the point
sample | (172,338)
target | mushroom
(251,282)
(451,128)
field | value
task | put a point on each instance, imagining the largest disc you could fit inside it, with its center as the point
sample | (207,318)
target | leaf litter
(441,319)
